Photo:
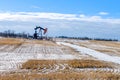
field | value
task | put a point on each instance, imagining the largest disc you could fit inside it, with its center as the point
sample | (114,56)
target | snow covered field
(14,54)
(11,59)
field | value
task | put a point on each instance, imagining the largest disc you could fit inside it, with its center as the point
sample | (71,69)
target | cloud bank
(62,24)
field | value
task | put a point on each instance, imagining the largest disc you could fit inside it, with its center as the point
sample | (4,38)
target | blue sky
(62,6)
(98,18)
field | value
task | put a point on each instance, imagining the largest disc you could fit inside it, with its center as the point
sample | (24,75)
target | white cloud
(35,16)
(82,16)
(103,13)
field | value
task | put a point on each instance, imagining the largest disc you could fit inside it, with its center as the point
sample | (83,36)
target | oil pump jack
(39,35)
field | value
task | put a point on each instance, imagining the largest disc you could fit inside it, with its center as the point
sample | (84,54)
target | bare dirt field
(22,59)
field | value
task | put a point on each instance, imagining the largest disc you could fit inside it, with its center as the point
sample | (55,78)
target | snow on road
(96,54)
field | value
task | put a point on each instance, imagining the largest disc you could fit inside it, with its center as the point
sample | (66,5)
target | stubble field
(22,59)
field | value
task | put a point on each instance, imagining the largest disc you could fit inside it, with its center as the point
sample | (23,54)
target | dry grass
(63,76)
(88,64)
(11,41)
(104,50)
(107,43)
(40,64)
(17,41)
(103,43)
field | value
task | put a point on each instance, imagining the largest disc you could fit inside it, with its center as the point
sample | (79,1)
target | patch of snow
(98,55)
(11,61)
(56,56)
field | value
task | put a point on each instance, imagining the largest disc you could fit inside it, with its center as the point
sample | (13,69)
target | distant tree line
(11,33)
(86,38)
